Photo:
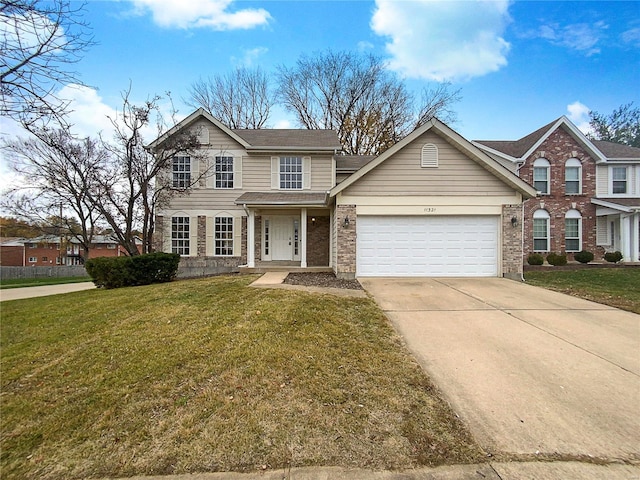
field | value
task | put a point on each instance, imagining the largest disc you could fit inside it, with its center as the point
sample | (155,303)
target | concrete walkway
(7,294)
(532,372)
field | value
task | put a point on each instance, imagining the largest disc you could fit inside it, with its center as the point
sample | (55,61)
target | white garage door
(455,246)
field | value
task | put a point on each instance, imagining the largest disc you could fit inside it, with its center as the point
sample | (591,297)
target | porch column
(625,237)
(635,237)
(251,239)
(303,238)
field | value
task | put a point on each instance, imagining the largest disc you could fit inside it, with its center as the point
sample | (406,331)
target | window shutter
(209,233)
(202,172)
(237,236)
(429,156)
(275,173)
(237,172)
(602,231)
(306,173)
(193,236)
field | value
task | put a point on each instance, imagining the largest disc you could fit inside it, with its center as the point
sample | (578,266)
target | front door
(282,238)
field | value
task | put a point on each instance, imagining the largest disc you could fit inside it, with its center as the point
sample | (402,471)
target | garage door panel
(427,246)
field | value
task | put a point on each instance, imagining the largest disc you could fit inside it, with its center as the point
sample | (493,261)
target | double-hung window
(223,235)
(541,169)
(180,235)
(291,173)
(572,231)
(619,180)
(224,172)
(573,176)
(541,231)
(181,169)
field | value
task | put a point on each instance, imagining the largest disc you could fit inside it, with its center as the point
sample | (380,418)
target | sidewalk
(7,294)
(488,471)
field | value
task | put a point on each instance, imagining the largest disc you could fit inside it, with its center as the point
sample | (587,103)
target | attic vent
(429,155)
(202,134)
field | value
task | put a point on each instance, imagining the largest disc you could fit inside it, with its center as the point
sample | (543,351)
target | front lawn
(212,375)
(617,287)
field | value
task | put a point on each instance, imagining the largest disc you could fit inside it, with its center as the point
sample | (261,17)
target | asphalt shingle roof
(617,150)
(291,138)
(352,162)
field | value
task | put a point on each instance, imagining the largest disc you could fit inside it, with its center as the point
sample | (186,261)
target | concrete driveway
(529,370)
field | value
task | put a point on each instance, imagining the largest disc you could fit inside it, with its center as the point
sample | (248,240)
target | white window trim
(233,172)
(541,214)
(33,259)
(275,173)
(573,163)
(215,235)
(627,181)
(573,215)
(540,163)
(176,184)
(186,239)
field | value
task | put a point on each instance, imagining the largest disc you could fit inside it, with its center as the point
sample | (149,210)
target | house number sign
(429,209)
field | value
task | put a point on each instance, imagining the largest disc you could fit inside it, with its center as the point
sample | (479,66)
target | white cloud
(249,57)
(212,14)
(440,40)
(632,36)
(578,113)
(283,124)
(89,115)
(364,46)
(581,37)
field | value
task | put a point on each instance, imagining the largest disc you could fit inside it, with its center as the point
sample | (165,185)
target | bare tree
(240,99)
(437,101)
(128,191)
(40,40)
(621,126)
(354,94)
(60,173)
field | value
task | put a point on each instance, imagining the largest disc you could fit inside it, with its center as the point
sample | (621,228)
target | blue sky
(519,64)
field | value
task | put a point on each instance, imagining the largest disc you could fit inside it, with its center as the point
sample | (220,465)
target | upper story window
(540,231)
(618,180)
(181,170)
(541,168)
(224,172)
(573,176)
(290,173)
(180,235)
(429,156)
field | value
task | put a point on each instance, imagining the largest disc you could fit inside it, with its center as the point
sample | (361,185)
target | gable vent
(429,155)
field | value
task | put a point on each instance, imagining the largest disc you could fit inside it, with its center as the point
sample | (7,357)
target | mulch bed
(321,279)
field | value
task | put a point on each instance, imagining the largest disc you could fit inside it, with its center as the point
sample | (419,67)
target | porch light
(313,220)
(345,222)
(514,222)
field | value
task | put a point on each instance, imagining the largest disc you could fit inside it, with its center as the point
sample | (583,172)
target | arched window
(540,231)
(429,155)
(573,231)
(573,176)
(541,169)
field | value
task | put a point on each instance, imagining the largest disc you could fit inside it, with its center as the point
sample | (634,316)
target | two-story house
(434,204)
(588,192)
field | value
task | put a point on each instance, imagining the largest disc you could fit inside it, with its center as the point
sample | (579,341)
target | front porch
(287,231)
(618,226)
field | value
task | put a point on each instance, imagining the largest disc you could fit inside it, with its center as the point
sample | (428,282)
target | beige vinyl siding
(602,180)
(402,174)
(217,138)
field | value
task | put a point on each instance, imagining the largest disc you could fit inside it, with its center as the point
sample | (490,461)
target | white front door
(281,238)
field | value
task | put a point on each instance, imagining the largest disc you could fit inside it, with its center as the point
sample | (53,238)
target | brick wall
(202,236)
(12,256)
(346,242)
(557,149)
(318,241)
(258,238)
(158,234)
(512,242)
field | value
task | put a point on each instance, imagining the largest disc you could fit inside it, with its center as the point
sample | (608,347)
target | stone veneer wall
(318,241)
(258,238)
(512,242)
(346,242)
(243,241)
(202,236)
(158,234)
(557,149)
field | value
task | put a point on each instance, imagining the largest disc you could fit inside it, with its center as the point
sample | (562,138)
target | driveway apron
(530,371)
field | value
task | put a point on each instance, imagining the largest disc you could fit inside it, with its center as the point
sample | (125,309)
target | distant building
(45,251)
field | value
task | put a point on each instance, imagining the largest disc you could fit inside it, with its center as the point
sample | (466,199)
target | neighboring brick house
(45,251)
(434,204)
(588,191)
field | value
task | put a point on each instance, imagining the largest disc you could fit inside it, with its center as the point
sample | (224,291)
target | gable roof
(263,139)
(520,150)
(457,141)
(352,163)
(617,151)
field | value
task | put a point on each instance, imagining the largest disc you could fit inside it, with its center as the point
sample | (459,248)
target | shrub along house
(588,192)
(432,205)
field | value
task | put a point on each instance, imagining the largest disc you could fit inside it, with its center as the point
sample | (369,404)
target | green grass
(616,287)
(212,375)
(37,282)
